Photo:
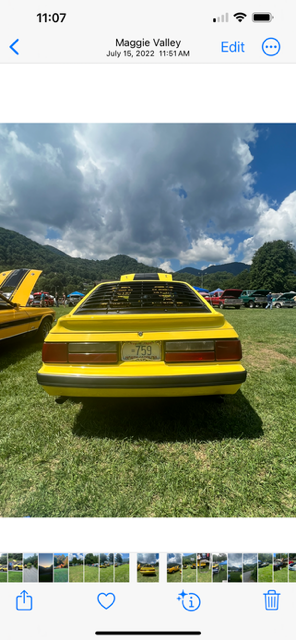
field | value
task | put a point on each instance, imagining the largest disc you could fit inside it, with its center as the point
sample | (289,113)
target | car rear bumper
(76,385)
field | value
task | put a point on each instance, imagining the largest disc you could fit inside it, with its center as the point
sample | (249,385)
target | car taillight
(190,351)
(55,352)
(228,350)
(92,352)
(80,352)
(203,350)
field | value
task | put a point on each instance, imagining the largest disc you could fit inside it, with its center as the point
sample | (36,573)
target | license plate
(141,351)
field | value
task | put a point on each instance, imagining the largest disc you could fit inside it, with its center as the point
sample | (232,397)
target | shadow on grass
(201,419)
(13,350)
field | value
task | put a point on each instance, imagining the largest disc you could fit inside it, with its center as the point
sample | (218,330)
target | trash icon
(271,600)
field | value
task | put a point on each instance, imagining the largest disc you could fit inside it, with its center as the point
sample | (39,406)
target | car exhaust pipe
(61,399)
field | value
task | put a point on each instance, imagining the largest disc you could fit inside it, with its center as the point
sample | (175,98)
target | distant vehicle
(226,299)
(254,298)
(48,299)
(74,298)
(284,300)
(292,567)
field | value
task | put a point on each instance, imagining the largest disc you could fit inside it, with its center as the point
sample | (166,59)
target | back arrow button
(11,46)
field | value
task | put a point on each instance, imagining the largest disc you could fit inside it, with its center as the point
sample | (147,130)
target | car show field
(148,457)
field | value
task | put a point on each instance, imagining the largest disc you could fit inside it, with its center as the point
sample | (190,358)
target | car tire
(251,305)
(221,305)
(277,306)
(44,329)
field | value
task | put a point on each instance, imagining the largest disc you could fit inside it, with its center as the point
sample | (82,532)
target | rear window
(142,297)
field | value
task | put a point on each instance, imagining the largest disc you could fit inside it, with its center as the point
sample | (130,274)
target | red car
(226,299)
(48,299)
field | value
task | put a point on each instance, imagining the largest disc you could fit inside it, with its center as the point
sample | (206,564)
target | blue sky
(170,196)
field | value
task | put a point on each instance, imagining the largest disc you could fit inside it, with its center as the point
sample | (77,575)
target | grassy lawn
(173,577)
(76,573)
(204,575)
(292,576)
(60,575)
(3,576)
(281,576)
(15,576)
(91,574)
(189,575)
(191,457)
(143,578)
(107,574)
(222,575)
(235,576)
(265,574)
(122,573)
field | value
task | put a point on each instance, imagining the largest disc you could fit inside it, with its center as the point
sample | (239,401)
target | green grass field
(91,574)
(107,575)
(15,576)
(149,457)
(147,579)
(173,577)
(265,574)
(189,575)
(3,576)
(60,575)
(235,576)
(222,575)
(292,576)
(122,573)
(204,575)
(281,576)
(76,573)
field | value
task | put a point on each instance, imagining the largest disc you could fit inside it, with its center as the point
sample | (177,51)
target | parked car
(48,299)
(73,299)
(16,318)
(254,298)
(226,299)
(144,335)
(284,300)
(292,567)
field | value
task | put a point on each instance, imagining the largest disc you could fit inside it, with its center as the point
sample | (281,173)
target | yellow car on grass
(144,335)
(16,318)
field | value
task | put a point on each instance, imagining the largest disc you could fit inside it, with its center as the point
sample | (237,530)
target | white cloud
(206,248)
(166,266)
(272,224)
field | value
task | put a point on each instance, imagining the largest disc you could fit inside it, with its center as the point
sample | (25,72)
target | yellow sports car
(15,317)
(145,335)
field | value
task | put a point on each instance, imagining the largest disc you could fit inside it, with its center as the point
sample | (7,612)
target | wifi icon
(240,16)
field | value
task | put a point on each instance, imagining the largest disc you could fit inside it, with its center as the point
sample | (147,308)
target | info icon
(189,601)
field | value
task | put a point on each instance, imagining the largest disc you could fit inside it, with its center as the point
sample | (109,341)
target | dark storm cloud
(111,189)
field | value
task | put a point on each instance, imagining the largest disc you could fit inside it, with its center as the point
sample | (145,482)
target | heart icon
(106,600)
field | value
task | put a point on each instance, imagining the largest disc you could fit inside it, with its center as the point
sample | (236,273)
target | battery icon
(262,17)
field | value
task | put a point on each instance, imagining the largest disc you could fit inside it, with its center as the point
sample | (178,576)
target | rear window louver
(142,297)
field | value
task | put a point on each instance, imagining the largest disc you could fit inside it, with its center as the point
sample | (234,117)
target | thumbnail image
(174,564)
(121,567)
(15,567)
(45,567)
(30,567)
(76,567)
(280,567)
(106,567)
(3,567)
(292,567)
(265,572)
(219,570)
(148,567)
(235,567)
(189,567)
(204,567)
(250,569)
(91,567)
(61,567)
